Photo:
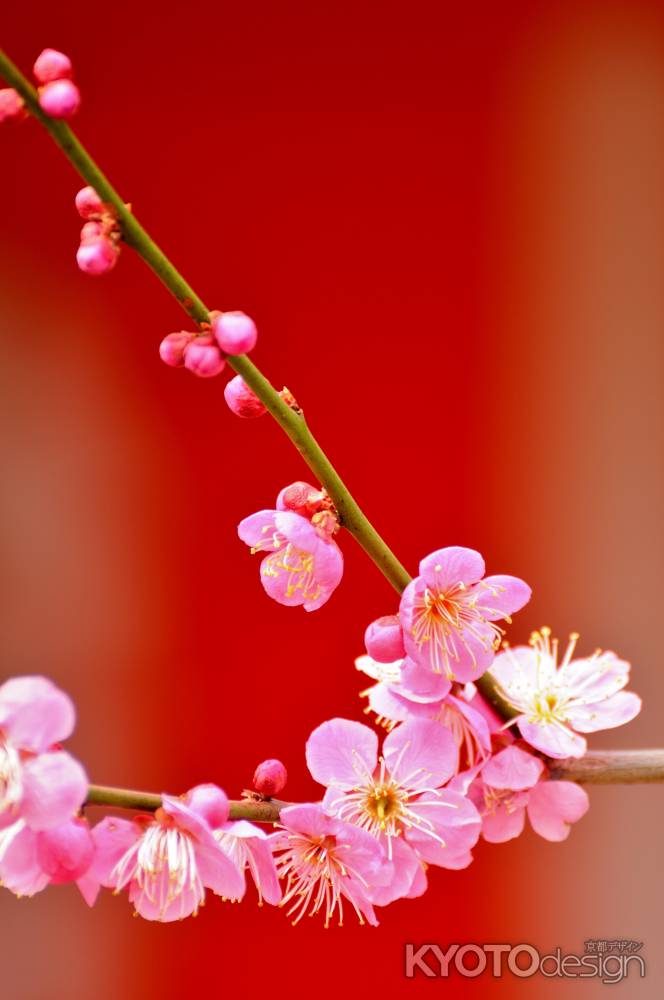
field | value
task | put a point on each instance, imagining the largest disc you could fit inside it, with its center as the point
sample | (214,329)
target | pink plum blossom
(202,357)
(32,859)
(405,691)
(172,348)
(96,256)
(384,639)
(449,612)
(169,860)
(303,564)
(326,862)
(40,785)
(555,703)
(398,797)
(513,783)
(88,203)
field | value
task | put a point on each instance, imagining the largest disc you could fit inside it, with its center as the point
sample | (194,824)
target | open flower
(303,564)
(557,702)
(405,691)
(399,797)
(326,862)
(513,783)
(166,861)
(39,784)
(449,612)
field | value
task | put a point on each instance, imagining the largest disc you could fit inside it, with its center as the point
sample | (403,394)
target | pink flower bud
(60,99)
(65,852)
(51,65)
(97,256)
(301,498)
(11,105)
(210,803)
(384,639)
(241,400)
(236,332)
(270,778)
(91,231)
(203,358)
(88,203)
(171,349)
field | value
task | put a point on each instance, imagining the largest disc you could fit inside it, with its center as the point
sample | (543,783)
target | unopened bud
(241,400)
(52,65)
(203,358)
(11,105)
(172,348)
(97,256)
(384,639)
(302,499)
(270,778)
(88,203)
(235,332)
(60,99)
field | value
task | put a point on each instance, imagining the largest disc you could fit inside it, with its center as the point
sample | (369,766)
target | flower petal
(552,738)
(512,768)
(419,684)
(595,677)
(258,531)
(421,753)
(263,871)
(112,838)
(218,872)
(500,596)
(35,714)
(607,714)
(55,787)
(341,753)
(446,568)
(20,871)
(503,824)
(447,817)
(553,805)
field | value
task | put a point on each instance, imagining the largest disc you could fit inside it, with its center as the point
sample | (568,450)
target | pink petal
(503,824)
(512,768)
(65,852)
(258,530)
(552,738)
(263,871)
(501,596)
(112,839)
(454,819)
(35,714)
(341,753)
(595,677)
(384,702)
(210,803)
(553,805)
(299,531)
(421,752)
(420,684)
(89,887)
(219,873)
(514,662)
(183,905)
(55,787)
(309,819)
(446,568)
(404,870)
(474,718)
(20,871)
(607,714)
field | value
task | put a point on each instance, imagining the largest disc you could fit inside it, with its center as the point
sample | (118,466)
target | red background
(447,221)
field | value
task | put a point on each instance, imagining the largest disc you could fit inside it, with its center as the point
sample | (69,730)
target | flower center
(299,567)
(314,877)
(383,804)
(163,866)
(447,620)
(10,776)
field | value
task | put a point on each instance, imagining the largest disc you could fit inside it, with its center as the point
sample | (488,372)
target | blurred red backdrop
(448,223)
